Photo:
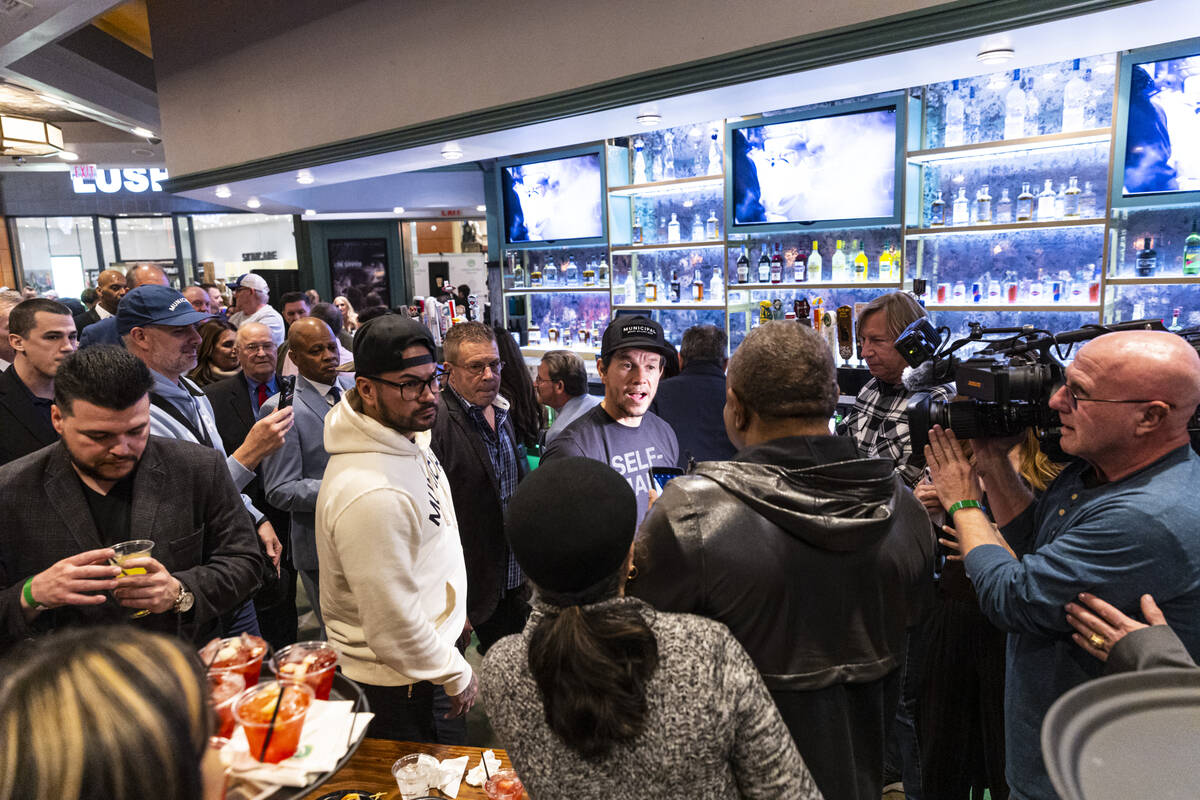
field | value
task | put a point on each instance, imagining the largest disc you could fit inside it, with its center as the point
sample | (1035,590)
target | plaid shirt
(879,425)
(503,455)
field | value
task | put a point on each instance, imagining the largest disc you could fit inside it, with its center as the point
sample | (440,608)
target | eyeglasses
(1073,400)
(476,370)
(413,389)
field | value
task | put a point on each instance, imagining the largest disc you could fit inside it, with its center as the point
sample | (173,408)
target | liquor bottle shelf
(735,287)
(674,306)
(540,349)
(1010,307)
(1067,139)
(668,187)
(1006,226)
(711,244)
(1154,280)
(553,289)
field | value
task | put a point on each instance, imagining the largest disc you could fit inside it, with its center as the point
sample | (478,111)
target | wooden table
(370,768)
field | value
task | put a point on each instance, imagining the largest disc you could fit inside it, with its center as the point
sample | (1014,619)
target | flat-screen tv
(840,165)
(553,200)
(1162,128)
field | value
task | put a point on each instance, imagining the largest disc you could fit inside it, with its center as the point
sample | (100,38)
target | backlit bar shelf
(1067,139)
(814,285)
(1010,307)
(552,289)
(668,187)
(949,230)
(711,244)
(1153,280)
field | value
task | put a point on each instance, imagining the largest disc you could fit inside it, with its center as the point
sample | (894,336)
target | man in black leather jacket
(817,560)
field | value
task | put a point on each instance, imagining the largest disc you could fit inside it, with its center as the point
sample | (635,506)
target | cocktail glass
(312,663)
(504,785)
(122,552)
(224,686)
(272,715)
(242,654)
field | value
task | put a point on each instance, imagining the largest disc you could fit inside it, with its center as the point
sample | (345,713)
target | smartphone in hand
(287,390)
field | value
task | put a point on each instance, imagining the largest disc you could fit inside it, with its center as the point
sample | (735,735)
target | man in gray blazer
(108,481)
(292,475)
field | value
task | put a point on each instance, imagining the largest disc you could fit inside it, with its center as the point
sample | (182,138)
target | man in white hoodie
(393,581)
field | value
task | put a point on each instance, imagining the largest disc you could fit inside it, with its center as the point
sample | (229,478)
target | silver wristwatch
(184,600)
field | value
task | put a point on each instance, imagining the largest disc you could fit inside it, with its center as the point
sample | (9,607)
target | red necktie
(262,394)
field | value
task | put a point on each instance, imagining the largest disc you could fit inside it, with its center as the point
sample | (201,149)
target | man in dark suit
(109,481)
(693,402)
(42,334)
(110,286)
(105,331)
(474,441)
(236,402)
(292,475)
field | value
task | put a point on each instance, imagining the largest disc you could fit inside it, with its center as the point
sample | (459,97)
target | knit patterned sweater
(712,730)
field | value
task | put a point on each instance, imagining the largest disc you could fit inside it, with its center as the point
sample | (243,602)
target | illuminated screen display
(553,200)
(1162,138)
(824,168)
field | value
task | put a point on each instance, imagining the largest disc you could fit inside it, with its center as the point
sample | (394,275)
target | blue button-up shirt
(253,384)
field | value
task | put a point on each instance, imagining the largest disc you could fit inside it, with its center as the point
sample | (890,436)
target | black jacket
(22,428)
(693,404)
(817,560)
(88,317)
(476,491)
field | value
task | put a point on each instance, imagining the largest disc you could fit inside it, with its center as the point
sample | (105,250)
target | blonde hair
(103,712)
(1034,466)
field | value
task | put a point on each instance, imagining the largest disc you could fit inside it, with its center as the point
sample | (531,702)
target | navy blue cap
(155,305)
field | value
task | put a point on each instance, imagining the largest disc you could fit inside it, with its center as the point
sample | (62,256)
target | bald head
(198,297)
(255,351)
(145,275)
(1155,365)
(314,350)
(110,286)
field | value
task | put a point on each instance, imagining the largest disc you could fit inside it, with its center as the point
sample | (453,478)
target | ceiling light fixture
(305,177)
(649,118)
(67,155)
(433,227)
(995,55)
(398,210)
(451,151)
(481,209)
(253,202)
(21,136)
(310,212)
(223,192)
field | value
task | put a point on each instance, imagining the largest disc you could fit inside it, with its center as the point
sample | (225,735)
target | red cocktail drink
(224,686)
(273,735)
(311,663)
(242,654)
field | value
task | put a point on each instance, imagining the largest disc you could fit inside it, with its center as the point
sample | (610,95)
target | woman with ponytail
(600,696)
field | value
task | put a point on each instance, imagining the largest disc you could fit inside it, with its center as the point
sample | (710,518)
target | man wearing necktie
(292,475)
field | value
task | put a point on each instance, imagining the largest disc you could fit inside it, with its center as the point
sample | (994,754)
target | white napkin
(323,741)
(476,776)
(452,775)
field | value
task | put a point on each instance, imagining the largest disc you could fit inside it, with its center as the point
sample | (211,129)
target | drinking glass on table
(272,715)
(122,552)
(312,663)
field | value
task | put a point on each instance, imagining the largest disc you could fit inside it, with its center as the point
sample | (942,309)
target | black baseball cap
(379,345)
(156,305)
(640,332)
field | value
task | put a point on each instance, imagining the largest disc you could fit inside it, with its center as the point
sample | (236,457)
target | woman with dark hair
(600,696)
(106,713)
(215,358)
(525,410)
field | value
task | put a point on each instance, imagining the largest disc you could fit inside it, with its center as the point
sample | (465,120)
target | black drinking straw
(262,756)
(483,760)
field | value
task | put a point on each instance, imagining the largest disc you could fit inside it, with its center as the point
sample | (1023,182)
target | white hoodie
(393,581)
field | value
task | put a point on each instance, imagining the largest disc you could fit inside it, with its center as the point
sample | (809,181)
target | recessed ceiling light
(223,192)
(67,155)
(995,55)
(481,208)
(649,118)
(139,131)
(253,202)
(451,151)
(398,210)
(305,177)
(433,227)
(309,212)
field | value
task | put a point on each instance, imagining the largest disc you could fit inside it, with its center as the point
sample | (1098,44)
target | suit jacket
(292,474)
(183,500)
(22,429)
(102,332)
(89,317)
(693,404)
(476,492)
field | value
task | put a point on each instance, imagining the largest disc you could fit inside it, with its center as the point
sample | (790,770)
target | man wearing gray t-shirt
(621,431)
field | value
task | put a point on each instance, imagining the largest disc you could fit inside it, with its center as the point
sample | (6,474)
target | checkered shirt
(879,425)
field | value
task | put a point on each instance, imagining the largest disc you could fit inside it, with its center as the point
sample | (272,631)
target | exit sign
(85,171)
(451,212)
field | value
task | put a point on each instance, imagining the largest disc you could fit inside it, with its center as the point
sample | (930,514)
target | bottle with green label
(1191,251)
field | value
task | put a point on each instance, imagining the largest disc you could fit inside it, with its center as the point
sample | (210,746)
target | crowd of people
(680,586)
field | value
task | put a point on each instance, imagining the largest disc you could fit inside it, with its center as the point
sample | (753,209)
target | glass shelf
(1155,280)
(668,187)
(1008,226)
(793,286)
(672,306)
(1070,139)
(551,289)
(641,248)
(1015,307)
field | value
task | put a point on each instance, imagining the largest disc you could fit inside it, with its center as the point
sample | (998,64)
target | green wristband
(28,593)
(961,504)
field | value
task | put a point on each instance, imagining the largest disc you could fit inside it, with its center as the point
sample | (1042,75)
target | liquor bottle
(764,266)
(1087,201)
(1033,110)
(1060,202)
(962,208)
(716,285)
(694,137)
(651,290)
(800,267)
(972,132)
(674,295)
(636,231)
(885,264)
(673,229)
(535,277)
(1014,109)
(1075,97)
(1003,208)
(714,153)
(803,311)
(816,263)
(639,161)
(630,293)
(1045,206)
(1071,198)
(697,288)
(550,273)
(602,272)
(860,263)
(776,265)
(937,212)
(1191,252)
(983,206)
(1147,260)
(589,274)
(1175,326)
(955,117)
(518,276)
(572,272)
(743,267)
(656,167)
(669,157)
(840,273)
(697,228)
(1025,204)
